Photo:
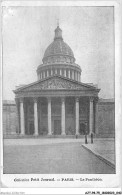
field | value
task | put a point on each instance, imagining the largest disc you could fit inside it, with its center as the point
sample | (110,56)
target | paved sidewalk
(104,149)
(47,141)
(34,141)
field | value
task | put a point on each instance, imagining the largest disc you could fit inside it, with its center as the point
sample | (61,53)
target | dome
(58,49)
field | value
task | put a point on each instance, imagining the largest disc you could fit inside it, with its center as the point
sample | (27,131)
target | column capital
(49,99)
(91,98)
(77,99)
(62,99)
(21,100)
(17,100)
(96,99)
(35,99)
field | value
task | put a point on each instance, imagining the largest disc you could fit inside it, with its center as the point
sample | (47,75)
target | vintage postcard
(60,101)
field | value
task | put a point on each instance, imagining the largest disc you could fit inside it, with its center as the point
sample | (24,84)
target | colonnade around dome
(68,73)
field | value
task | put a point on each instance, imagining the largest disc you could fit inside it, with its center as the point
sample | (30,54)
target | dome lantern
(58,33)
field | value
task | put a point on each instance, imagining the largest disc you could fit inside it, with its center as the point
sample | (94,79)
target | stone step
(42,136)
(15,136)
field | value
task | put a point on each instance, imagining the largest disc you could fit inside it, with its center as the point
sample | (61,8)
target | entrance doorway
(31,128)
(82,129)
(57,127)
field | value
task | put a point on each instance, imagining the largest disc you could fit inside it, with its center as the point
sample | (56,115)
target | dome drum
(55,66)
(65,71)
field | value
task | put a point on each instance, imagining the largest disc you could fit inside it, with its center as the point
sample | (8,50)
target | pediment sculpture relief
(55,84)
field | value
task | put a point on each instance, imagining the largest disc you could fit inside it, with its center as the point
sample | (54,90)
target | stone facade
(106,118)
(10,120)
(105,123)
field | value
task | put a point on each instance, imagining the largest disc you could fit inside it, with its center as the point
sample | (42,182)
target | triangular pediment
(56,83)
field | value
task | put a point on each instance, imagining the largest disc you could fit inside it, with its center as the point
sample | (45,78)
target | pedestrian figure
(85,130)
(91,138)
(86,139)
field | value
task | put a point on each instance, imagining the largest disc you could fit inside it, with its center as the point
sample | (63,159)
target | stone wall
(106,118)
(10,120)
(106,112)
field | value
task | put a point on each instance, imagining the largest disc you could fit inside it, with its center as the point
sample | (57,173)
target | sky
(27,32)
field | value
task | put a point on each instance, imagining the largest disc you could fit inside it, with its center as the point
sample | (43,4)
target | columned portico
(22,118)
(91,116)
(49,117)
(77,115)
(35,117)
(63,116)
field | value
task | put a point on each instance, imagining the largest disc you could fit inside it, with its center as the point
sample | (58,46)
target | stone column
(49,117)
(96,116)
(55,71)
(76,75)
(77,115)
(63,116)
(47,73)
(18,115)
(35,117)
(79,76)
(73,74)
(60,72)
(69,74)
(64,72)
(44,74)
(22,117)
(91,117)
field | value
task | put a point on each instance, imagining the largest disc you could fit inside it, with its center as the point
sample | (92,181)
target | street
(53,158)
